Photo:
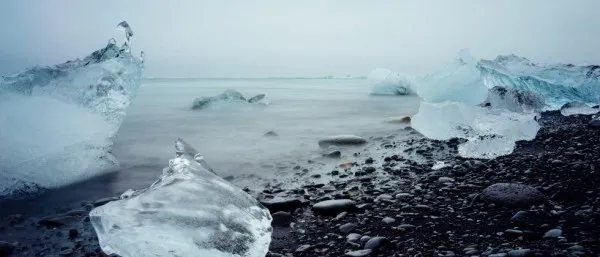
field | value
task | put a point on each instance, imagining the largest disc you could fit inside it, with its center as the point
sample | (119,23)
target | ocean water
(231,136)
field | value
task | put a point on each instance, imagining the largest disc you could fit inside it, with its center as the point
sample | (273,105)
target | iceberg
(515,100)
(189,211)
(489,132)
(558,83)
(386,82)
(574,108)
(57,123)
(459,81)
(229,96)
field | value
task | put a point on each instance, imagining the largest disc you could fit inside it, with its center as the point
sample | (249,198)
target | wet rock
(376,242)
(58,221)
(333,207)
(520,253)
(104,201)
(281,219)
(342,140)
(271,134)
(334,154)
(388,220)
(347,228)
(359,253)
(73,233)
(353,237)
(6,248)
(553,233)
(303,248)
(281,204)
(512,194)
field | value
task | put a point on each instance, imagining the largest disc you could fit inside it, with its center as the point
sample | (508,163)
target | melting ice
(56,123)
(229,96)
(386,82)
(189,211)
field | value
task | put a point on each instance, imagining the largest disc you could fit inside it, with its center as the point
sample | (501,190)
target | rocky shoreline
(541,200)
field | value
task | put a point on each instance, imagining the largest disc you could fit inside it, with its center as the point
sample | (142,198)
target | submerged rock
(342,140)
(512,194)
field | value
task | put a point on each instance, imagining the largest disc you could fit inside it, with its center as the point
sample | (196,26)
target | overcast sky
(241,38)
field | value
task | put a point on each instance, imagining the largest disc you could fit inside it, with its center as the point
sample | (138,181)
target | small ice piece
(386,82)
(574,108)
(188,211)
(124,26)
(489,132)
(459,81)
(439,165)
(515,100)
(557,83)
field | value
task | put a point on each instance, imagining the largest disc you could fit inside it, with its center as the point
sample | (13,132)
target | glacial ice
(229,96)
(558,84)
(386,82)
(459,81)
(515,100)
(189,211)
(574,108)
(56,123)
(489,132)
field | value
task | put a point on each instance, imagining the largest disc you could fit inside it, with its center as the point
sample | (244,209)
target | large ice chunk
(386,82)
(189,211)
(229,96)
(459,81)
(515,100)
(558,83)
(489,132)
(56,123)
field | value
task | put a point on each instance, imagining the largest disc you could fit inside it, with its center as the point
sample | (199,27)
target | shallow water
(231,136)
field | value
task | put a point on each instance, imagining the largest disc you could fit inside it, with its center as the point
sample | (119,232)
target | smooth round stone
(520,253)
(342,140)
(359,253)
(353,237)
(281,219)
(388,220)
(347,228)
(376,242)
(512,194)
(333,207)
(553,233)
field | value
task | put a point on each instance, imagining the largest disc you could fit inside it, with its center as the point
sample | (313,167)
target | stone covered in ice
(386,82)
(515,100)
(57,122)
(574,108)
(459,81)
(490,132)
(189,211)
(558,83)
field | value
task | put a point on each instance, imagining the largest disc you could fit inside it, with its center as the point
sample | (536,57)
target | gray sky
(241,38)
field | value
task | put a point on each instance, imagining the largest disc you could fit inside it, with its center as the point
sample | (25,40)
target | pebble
(512,194)
(333,207)
(359,253)
(303,248)
(553,233)
(353,237)
(6,248)
(376,242)
(347,228)
(388,220)
(520,253)
(281,219)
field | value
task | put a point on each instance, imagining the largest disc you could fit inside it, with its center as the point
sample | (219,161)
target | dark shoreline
(426,212)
